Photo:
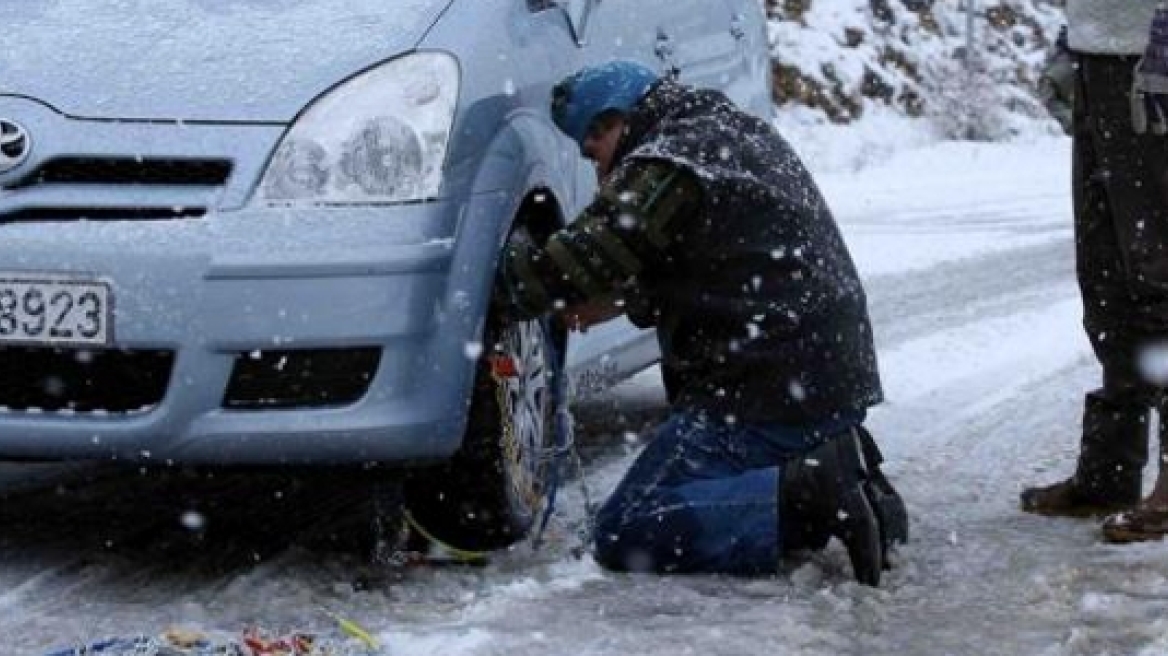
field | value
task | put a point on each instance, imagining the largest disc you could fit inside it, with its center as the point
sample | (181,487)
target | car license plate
(55,311)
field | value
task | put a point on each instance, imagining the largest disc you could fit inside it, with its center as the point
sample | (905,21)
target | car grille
(126,171)
(101,214)
(83,380)
(129,188)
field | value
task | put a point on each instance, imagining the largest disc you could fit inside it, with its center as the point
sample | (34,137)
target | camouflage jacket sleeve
(603,254)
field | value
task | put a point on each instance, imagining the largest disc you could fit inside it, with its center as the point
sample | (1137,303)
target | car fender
(524,157)
(528,154)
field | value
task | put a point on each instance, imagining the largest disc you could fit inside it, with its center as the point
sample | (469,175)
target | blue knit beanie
(583,96)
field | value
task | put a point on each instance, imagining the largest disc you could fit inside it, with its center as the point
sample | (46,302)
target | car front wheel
(490,494)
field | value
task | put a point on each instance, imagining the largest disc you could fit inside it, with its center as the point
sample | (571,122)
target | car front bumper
(218,290)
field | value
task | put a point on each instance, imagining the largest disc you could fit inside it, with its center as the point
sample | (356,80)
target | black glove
(518,294)
(1056,83)
(1150,83)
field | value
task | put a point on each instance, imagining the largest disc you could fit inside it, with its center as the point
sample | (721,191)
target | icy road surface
(967,252)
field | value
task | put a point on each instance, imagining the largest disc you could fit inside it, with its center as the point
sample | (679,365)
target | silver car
(265,232)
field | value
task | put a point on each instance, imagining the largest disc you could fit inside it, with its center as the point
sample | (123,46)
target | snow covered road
(967,253)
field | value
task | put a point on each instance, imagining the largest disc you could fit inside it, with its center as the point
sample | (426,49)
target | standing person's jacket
(1109,27)
(711,230)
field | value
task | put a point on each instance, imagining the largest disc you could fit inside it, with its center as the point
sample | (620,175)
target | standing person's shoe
(1070,498)
(823,494)
(1143,524)
(1112,454)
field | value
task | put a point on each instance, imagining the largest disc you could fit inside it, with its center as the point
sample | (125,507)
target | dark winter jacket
(711,230)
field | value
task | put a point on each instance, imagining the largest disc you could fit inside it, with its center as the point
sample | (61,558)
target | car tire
(489,495)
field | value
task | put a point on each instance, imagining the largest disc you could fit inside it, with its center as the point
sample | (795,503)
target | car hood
(199,60)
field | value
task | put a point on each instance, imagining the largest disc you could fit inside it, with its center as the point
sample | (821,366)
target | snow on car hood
(213,60)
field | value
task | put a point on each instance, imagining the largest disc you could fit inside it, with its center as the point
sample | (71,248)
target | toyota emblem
(15,144)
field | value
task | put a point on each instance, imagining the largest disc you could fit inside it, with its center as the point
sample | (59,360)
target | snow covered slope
(847,59)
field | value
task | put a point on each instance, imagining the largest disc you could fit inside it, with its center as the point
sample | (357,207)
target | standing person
(707,227)
(1120,178)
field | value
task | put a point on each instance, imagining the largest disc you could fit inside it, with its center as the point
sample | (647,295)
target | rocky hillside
(844,57)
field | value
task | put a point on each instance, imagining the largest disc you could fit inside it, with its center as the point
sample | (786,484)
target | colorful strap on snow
(352,640)
(142,645)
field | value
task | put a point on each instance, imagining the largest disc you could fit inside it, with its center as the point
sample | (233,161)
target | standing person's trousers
(1120,183)
(704,496)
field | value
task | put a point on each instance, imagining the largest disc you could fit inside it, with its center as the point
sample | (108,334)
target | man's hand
(519,293)
(1150,84)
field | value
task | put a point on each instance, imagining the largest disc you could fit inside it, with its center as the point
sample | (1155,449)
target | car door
(749,80)
(720,44)
(697,38)
(693,38)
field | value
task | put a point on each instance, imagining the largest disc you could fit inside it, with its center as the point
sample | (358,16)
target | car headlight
(381,137)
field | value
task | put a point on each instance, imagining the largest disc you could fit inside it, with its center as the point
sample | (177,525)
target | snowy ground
(967,253)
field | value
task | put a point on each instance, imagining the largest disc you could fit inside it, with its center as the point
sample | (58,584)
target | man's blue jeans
(704,496)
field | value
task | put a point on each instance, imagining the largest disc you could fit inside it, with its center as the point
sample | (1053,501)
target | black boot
(823,494)
(886,501)
(1109,474)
